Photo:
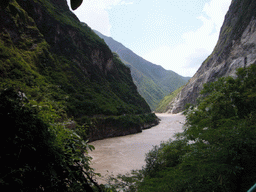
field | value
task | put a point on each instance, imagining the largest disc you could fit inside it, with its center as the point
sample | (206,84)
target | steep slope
(59,63)
(163,105)
(235,48)
(153,81)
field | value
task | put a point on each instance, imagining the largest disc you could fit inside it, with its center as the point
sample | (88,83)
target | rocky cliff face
(62,32)
(60,63)
(236,48)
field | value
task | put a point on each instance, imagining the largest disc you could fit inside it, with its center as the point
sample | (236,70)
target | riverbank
(114,126)
(123,154)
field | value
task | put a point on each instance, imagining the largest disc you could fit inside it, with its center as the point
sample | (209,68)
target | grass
(163,105)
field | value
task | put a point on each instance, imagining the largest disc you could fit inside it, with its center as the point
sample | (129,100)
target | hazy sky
(177,34)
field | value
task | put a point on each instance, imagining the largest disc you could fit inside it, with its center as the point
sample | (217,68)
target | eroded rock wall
(236,48)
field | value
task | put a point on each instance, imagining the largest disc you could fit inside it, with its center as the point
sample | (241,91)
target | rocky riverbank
(113,126)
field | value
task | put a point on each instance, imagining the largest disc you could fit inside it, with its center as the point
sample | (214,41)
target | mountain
(59,63)
(153,81)
(236,47)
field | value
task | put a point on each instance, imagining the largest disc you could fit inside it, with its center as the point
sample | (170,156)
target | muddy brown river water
(123,154)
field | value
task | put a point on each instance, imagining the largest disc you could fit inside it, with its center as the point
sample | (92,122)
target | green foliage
(4,4)
(37,155)
(127,182)
(152,92)
(216,151)
(62,75)
(127,121)
(48,57)
(153,82)
(163,105)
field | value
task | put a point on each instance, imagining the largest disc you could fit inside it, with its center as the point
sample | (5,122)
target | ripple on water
(122,154)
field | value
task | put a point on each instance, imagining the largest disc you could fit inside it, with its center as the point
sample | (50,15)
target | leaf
(4,3)
(75,4)
(14,10)
(220,179)
(91,147)
(22,16)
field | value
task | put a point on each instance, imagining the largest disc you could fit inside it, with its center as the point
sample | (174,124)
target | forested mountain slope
(60,87)
(60,63)
(235,48)
(153,81)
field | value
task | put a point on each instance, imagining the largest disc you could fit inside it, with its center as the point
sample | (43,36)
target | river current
(123,154)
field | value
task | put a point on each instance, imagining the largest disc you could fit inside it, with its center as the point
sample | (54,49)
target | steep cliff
(153,81)
(235,48)
(60,63)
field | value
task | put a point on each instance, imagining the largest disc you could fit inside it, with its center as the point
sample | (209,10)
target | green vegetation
(127,121)
(37,153)
(57,70)
(163,105)
(153,81)
(56,77)
(216,151)
(150,91)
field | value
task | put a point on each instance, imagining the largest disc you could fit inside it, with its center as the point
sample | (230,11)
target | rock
(236,48)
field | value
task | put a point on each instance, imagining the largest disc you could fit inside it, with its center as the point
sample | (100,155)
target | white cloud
(94,13)
(187,57)
(126,3)
(216,10)
(184,58)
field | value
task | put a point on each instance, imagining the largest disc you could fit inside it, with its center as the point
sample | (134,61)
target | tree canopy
(216,151)
(37,153)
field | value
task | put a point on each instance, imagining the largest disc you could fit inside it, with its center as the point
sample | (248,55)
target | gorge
(60,63)
(153,81)
(61,86)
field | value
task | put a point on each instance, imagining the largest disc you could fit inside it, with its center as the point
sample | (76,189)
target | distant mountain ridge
(153,81)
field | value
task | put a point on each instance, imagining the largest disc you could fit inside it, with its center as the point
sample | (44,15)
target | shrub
(38,156)
(217,150)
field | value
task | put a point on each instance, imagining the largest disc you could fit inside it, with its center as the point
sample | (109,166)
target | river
(126,153)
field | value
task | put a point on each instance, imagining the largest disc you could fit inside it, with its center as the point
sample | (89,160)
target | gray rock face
(234,50)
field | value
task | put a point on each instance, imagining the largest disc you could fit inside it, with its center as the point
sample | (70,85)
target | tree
(217,150)
(37,156)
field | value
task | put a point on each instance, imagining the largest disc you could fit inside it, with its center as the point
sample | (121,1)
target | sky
(176,34)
